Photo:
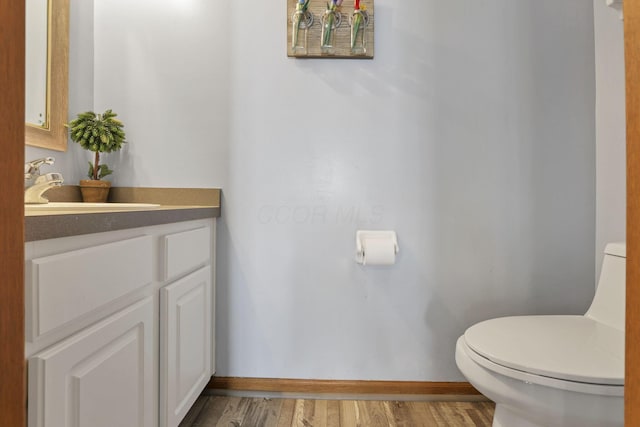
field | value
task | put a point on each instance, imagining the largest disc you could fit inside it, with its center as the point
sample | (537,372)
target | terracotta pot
(94,191)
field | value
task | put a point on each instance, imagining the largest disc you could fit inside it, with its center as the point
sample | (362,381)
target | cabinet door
(185,344)
(102,376)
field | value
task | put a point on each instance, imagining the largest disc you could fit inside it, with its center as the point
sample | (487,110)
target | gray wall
(471,134)
(610,128)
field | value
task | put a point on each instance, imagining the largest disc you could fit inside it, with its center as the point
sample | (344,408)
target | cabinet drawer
(63,287)
(185,251)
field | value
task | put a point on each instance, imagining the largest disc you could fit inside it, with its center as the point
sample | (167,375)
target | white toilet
(547,371)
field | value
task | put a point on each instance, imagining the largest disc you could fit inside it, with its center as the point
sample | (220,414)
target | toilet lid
(574,348)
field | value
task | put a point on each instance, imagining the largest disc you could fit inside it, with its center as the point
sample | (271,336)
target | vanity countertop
(176,205)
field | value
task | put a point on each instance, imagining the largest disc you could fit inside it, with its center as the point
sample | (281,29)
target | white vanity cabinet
(119,325)
(185,323)
(185,344)
(101,376)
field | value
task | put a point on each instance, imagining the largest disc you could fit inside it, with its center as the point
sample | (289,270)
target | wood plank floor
(223,411)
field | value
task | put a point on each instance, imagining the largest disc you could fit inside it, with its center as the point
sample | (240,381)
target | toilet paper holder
(362,235)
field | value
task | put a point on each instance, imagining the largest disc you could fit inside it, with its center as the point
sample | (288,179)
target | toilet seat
(567,352)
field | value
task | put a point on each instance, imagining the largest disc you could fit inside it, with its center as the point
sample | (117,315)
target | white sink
(87,207)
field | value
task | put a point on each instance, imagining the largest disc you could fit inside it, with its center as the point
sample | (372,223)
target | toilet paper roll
(378,251)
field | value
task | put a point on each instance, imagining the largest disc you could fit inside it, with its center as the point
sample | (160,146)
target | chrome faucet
(36,184)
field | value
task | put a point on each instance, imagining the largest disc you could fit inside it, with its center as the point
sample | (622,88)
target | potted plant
(100,133)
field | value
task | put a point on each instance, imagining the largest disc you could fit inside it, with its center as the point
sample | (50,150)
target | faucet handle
(33,167)
(51,177)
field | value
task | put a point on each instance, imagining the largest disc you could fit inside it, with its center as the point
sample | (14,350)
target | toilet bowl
(545,371)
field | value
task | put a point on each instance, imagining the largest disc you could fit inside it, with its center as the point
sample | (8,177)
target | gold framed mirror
(51,133)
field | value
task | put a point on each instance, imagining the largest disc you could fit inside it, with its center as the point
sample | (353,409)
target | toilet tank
(608,305)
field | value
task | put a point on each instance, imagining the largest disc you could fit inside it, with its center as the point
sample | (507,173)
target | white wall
(162,65)
(471,133)
(610,128)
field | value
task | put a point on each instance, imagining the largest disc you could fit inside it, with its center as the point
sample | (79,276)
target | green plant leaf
(90,173)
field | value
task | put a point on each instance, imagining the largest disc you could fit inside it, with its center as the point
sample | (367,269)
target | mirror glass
(47,71)
(36,12)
